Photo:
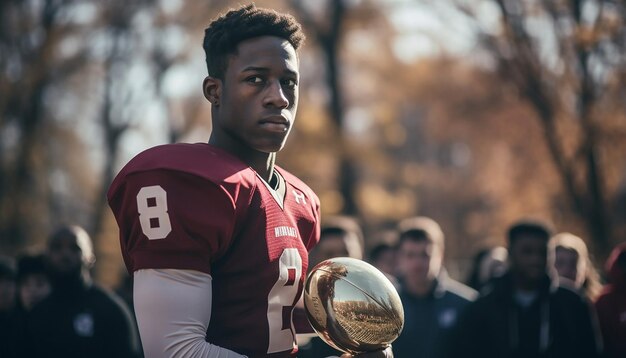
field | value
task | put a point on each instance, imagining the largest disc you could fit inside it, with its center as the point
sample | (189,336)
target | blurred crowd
(540,296)
(50,306)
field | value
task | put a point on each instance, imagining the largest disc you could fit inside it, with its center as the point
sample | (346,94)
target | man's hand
(385,353)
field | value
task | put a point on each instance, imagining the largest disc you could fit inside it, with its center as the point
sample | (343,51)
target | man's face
(529,257)
(33,289)
(419,261)
(65,255)
(259,94)
(331,245)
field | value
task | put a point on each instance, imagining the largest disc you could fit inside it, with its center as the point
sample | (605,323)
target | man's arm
(173,309)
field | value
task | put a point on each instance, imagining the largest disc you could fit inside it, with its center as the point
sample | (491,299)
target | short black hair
(532,228)
(226,32)
(78,233)
(344,226)
(341,225)
(31,265)
(420,228)
(378,250)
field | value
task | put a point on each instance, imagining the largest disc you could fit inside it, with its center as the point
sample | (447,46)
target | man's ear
(212,89)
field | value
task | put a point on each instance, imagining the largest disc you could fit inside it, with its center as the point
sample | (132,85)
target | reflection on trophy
(352,306)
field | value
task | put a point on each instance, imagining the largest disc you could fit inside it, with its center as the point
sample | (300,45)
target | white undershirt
(173,309)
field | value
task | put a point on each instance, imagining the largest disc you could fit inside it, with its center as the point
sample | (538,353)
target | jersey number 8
(153,216)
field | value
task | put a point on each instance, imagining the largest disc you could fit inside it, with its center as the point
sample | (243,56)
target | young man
(339,237)
(216,235)
(525,313)
(432,301)
(78,318)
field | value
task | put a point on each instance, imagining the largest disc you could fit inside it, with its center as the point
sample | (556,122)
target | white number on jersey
(153,216)
(283,294)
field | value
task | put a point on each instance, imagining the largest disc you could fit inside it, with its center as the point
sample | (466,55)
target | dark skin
(254,107)
(528,256)
(69,257)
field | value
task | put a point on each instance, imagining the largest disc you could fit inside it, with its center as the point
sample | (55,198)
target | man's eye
(255,79)
(290,83)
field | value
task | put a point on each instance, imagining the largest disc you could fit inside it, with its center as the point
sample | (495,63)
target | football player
(216,235)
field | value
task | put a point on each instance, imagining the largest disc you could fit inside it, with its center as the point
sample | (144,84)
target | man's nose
(276,96)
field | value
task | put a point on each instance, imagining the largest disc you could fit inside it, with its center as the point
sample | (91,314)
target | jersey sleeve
(171,220)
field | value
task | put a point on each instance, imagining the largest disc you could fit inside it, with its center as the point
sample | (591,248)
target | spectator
(33,282)
(383,257)
(524,313)
(7,304)
(432,301)
(573,264)
(339,237)
(78,319)
(33,285)
(487,264)
(611,305)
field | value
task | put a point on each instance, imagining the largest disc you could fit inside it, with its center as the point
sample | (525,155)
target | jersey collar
(278,190)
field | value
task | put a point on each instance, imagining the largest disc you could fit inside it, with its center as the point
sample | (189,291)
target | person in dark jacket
(78,319)
(524,313)
(33,286)
(7,306)
(611,304)
(432,301)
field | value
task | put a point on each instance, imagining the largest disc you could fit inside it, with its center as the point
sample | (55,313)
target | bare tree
(118,27)
(568,60)
(34,69)
(29,34)
(328,33)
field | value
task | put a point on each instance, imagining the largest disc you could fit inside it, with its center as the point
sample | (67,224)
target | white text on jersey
(281,231)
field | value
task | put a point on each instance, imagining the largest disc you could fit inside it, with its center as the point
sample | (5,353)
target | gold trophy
(352,306)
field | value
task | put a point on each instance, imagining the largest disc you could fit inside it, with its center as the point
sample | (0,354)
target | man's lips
(275,123)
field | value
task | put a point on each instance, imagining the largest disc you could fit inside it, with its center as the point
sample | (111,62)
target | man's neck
(261,162)
(265,168)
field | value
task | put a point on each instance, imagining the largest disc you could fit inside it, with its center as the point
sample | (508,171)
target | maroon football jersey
(197,207)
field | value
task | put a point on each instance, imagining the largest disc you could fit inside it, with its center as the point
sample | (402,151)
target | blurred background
(473,112)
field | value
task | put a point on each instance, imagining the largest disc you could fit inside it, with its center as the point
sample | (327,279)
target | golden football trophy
(352,306)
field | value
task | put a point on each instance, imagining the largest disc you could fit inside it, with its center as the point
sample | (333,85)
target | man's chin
(270,148)
(536,276)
